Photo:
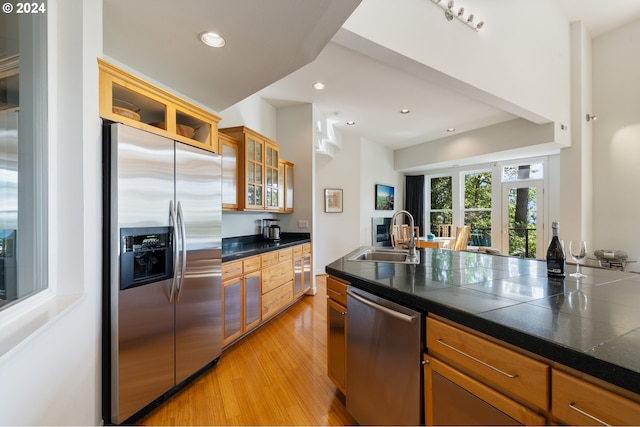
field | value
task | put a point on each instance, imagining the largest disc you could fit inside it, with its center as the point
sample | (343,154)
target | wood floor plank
(275,376)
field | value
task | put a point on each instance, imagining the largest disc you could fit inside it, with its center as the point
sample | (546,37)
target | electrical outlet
(303,224)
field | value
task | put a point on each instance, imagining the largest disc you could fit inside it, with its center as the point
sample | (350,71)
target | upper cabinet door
(260,181)
(229,152)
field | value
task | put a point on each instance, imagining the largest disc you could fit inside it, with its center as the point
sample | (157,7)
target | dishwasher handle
(386,310)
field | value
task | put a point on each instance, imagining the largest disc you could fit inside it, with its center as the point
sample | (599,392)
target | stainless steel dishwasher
(384,361)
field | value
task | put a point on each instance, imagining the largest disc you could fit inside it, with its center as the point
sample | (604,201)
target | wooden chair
(400,236)
(444,230)
(462,238)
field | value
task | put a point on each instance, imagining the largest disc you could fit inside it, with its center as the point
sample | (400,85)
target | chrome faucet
(412,239)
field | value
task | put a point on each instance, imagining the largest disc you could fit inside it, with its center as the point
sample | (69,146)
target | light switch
(303,224)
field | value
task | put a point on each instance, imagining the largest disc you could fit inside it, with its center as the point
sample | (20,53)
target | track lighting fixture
(449,14)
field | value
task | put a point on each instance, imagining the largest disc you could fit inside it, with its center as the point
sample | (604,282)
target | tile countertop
(592,325)
(234,248)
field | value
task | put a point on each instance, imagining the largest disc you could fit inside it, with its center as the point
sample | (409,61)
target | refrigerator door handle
(183,242)
(174,221)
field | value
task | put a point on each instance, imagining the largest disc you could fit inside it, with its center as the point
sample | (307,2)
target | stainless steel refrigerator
(162,285)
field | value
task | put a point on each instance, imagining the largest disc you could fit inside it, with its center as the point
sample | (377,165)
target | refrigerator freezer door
(142,330)
(145,176)
(198,302)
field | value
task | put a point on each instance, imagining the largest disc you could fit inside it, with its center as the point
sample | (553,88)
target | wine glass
(577,250)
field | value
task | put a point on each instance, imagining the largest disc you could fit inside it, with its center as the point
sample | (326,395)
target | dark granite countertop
(234,248)
(592,325)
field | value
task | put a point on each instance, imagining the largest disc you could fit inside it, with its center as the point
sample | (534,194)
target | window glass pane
(23,132)
(477,190)
(520,172)
(441,196)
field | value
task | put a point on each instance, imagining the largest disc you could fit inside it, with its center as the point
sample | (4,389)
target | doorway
(522,218)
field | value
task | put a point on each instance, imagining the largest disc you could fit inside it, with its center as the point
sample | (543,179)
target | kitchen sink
(385,255)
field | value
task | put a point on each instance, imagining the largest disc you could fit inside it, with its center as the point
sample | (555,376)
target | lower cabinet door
(232,310)
(252,296)
(337,344)
(453,398)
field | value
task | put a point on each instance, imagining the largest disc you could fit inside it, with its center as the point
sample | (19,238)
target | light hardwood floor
(275,376)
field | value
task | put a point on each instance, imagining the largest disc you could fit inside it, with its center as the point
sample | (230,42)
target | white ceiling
(266,44)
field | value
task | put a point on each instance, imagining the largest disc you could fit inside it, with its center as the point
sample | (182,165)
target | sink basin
(385,255)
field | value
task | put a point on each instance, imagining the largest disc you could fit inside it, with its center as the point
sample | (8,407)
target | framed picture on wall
(333,200)
(384,197)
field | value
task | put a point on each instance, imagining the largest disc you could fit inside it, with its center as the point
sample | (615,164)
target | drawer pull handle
(506,374)
(335,292)
(573,406)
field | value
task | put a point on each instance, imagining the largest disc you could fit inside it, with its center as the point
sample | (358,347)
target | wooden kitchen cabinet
(337,332)
(455,398)
(576,401)
(285,198)
(301,269)
(128,99)
(241,297)
(277,281)
(256,288)
(230,171)
(258,176)
(516,375)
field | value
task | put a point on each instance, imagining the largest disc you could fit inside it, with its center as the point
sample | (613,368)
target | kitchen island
(591,326)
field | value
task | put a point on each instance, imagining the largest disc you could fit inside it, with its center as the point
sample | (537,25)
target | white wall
(519,61)
(376,167)
(575,189)
(52,377)
(355,168)
(616,140)
(336,234)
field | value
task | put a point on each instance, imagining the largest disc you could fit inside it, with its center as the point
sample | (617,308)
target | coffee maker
(270,229)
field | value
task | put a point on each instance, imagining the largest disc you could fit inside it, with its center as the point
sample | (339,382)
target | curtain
(414,199)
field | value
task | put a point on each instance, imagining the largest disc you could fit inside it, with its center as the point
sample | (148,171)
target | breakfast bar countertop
(591,325)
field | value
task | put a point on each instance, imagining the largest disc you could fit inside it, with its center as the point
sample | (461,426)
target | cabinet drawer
(503,368)
(251,264)
(285,254)
(337,290)
(231,269)
(306,248)
(276,275)
(276,299)
(297,251)
(269,258)
(578,402)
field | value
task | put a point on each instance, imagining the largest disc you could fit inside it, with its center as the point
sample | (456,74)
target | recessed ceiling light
(405,111)
(212,39)
(451,130)
(318,86)
(351,123)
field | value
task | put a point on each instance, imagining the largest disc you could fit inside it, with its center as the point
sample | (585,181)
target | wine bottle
(556,260)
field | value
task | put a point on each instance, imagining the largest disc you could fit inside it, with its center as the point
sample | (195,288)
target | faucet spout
(412,239)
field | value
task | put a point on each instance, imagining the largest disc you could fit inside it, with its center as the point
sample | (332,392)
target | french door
(522,219)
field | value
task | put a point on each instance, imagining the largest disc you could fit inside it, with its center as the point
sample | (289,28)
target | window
(477,207)
(441,210)
(23,155)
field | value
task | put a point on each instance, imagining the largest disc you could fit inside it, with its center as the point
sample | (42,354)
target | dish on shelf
(183,130)
(125,109)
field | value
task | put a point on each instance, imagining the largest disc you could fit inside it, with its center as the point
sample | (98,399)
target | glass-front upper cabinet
(254,167)
(259,178)
(272,182)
